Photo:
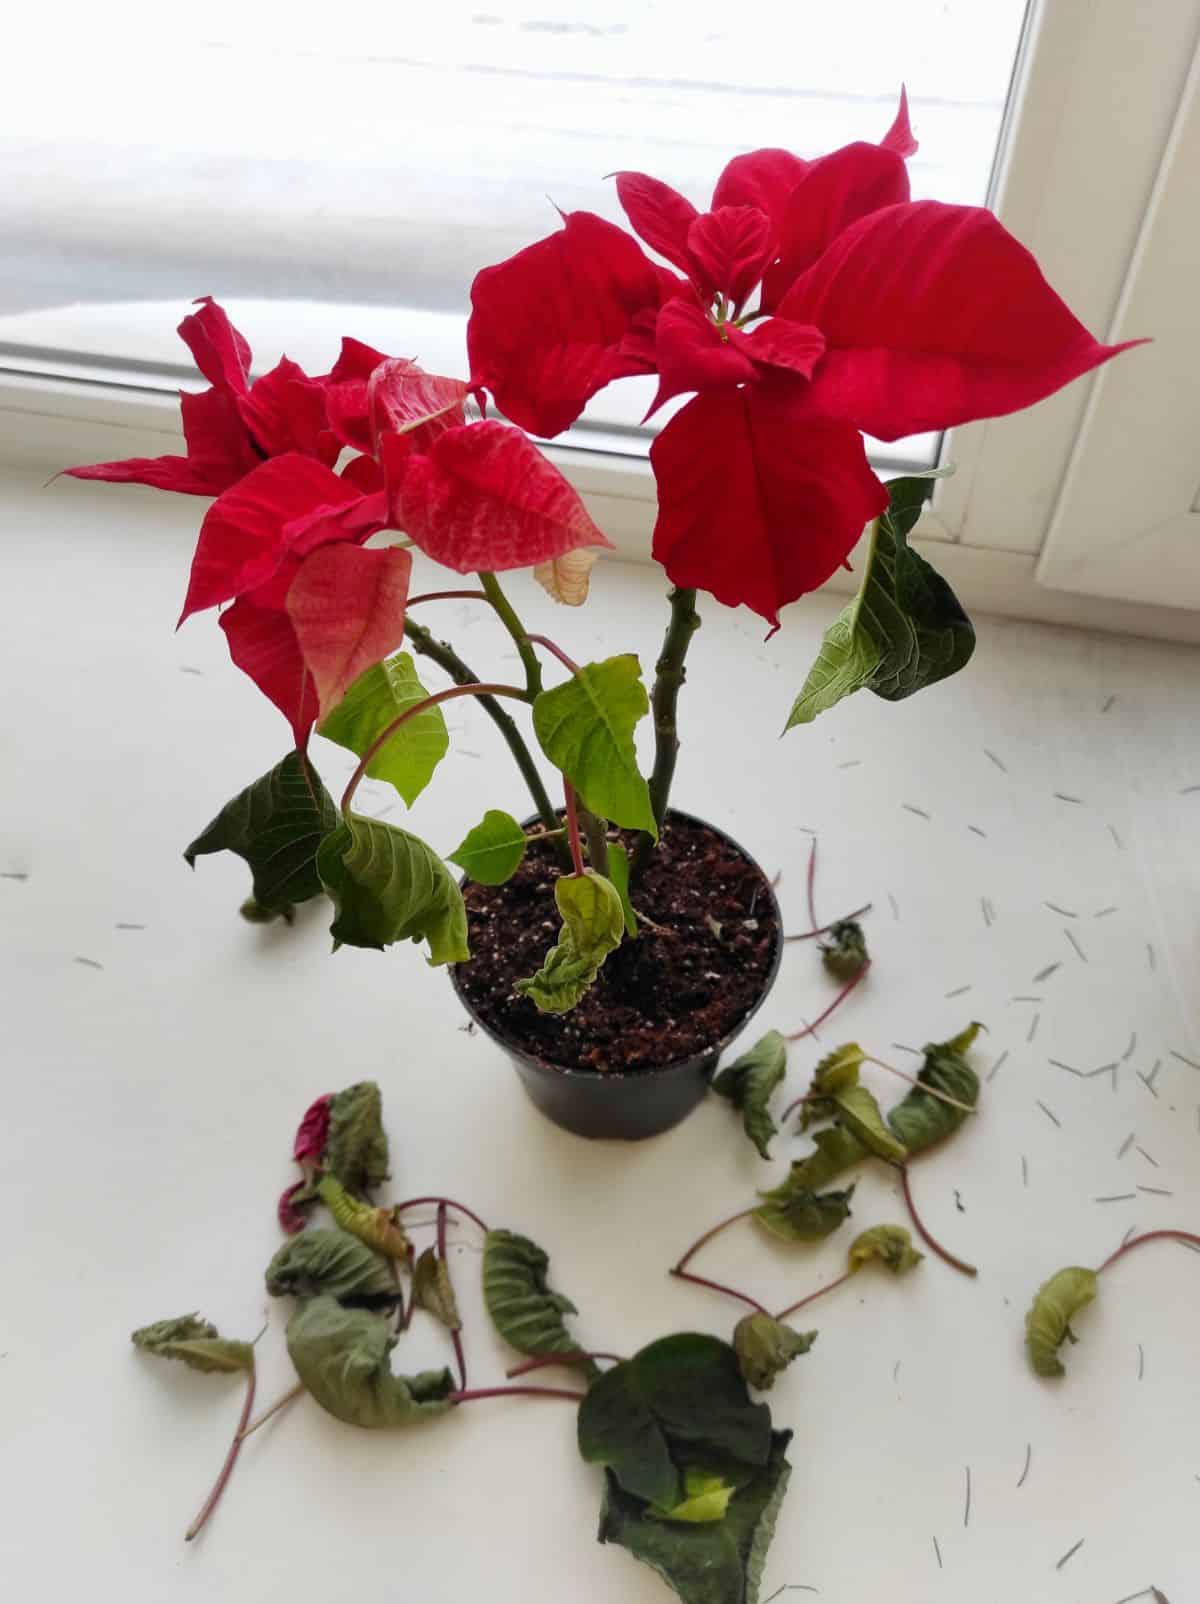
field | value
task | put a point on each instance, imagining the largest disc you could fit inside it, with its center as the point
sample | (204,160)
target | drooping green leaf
(920,1120)
(491,853)
(618,873)
(525,1311)
(889,1245)
(904,630)
(387,885)
(859,1113)
(835,1151)
(749,1082)
(843,949)
(586,729)
(329,1262)
(797,1214)
(766,1346)
(433,1291)
(379,1228)
(356,1147)
(408,758)
(706,1498)
(196,1342)
(342,1357)
(276,825)
(679,1402)
(714,1562)
(593,924)
(838,1070)
(1048,1323)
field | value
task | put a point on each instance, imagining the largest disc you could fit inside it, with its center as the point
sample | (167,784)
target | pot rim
(712,1051)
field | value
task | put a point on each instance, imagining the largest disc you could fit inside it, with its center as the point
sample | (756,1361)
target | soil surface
(707,938)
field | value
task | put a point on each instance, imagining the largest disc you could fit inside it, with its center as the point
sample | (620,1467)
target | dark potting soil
(705,945)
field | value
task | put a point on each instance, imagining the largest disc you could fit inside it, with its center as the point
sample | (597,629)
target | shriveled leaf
(844,949)
(276,825)
(679,1401)
(408,758)
(293,1207)
(835,1151)
(838,1070)
(618,873)
(387,885)
(859,1113)
(568,578)
(889,1245)
(432,1290)
(797,1214)
(196,1342)
(525,1311)
(593,924)
(331,1263)
(715,1562)
(706,1498)
(766,1346)
(491,853)
(920,1120)
(749,1082)
(1048,1323)
(379,1228)
(342,1357)
(586,729)
(356,1148)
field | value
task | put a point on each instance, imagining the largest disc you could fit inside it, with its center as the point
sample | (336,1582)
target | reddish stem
(573,835)
(448,595)
(813,1296)
(821,930)
(809,1030)
(543,1360)
(544,640)
(718,1286)
(930,1241)
(708,1236)
(416,1202)
(795,1104)
(514,1392)
(1149,1236)
(235,1448)
(455,1333)
(812,882)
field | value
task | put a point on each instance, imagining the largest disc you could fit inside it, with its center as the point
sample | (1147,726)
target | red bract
(313,1131)
(291,1219)
(346,606)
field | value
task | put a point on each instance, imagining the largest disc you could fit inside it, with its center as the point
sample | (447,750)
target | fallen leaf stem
(1149,1236)
(718,1286)
(813,1296)
(542,1360)
(715,1230)
(822,930)
(417,1202)
(930,1091)
(930,1241)
(235,1448)
(455,1332)
(514,1392)
(809,1030)
(669,677)
(280,1403)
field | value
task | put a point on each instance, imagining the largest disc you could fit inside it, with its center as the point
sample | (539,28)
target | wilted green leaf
(835,1151)
(679,1401)
(526,1312)
(379,1228)
(843,949)
(432,1290)
(195,1342)
(838,1070)
(1048,1322)
(766,1346)
(716,1562)
(342,1357)
(920,1120)
(749,1082)
(356,1147)
(706,1498)
(586,729)
(408,758)
(329,1262)
(387,885)
(904,630)
(797,1214)
(859,1113)
(276,825)
(618,873)
(593,924)
(889,1245)
(491,853)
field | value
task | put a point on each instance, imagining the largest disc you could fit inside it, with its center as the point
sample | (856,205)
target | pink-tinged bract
(346,605)
(291,1219)
(263,643)
(313,1131)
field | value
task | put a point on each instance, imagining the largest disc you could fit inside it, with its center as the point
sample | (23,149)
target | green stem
(514,626)
(595,833)
(669,676)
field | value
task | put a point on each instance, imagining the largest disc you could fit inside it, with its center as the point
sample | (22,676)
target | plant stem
(568,663)
(514,626)
(514,1392)
(813,1296)
(930,1091)
(448,595)
(435,700)
(280,1403)
(235,1448)
(718,1286)
(798,1035)
(1149,1236)
(715,1230)
(444,655)
(573,827)
(930,1241)
(805,1097)
(455,1332)
(416,1202)
(669,677)
(595,832)
(545,1359)
(821,930)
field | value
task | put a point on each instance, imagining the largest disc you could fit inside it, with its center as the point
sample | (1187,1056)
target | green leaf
(706,1499)
(408,758)
(197,1343)
(835,1151)
(618,873)
(903,631)
(491,853)
(525,1311)
(432,1290)
(920,1120)
(716,1562)
(356,1146)
(843,949)
(276,825)
(859,1113)
(766,1346)
(749,1082)
(342,1357)
(387,885)
(593,924)
(797,1214)
(681,1400)
(890,1245)
(328,1262)
(1048,1322)
(838,1070)
(586,729)
(379,1228)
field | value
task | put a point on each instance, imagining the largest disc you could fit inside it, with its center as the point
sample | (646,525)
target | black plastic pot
(644,1102)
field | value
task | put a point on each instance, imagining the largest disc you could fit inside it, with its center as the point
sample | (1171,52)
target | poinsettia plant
(812,302)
